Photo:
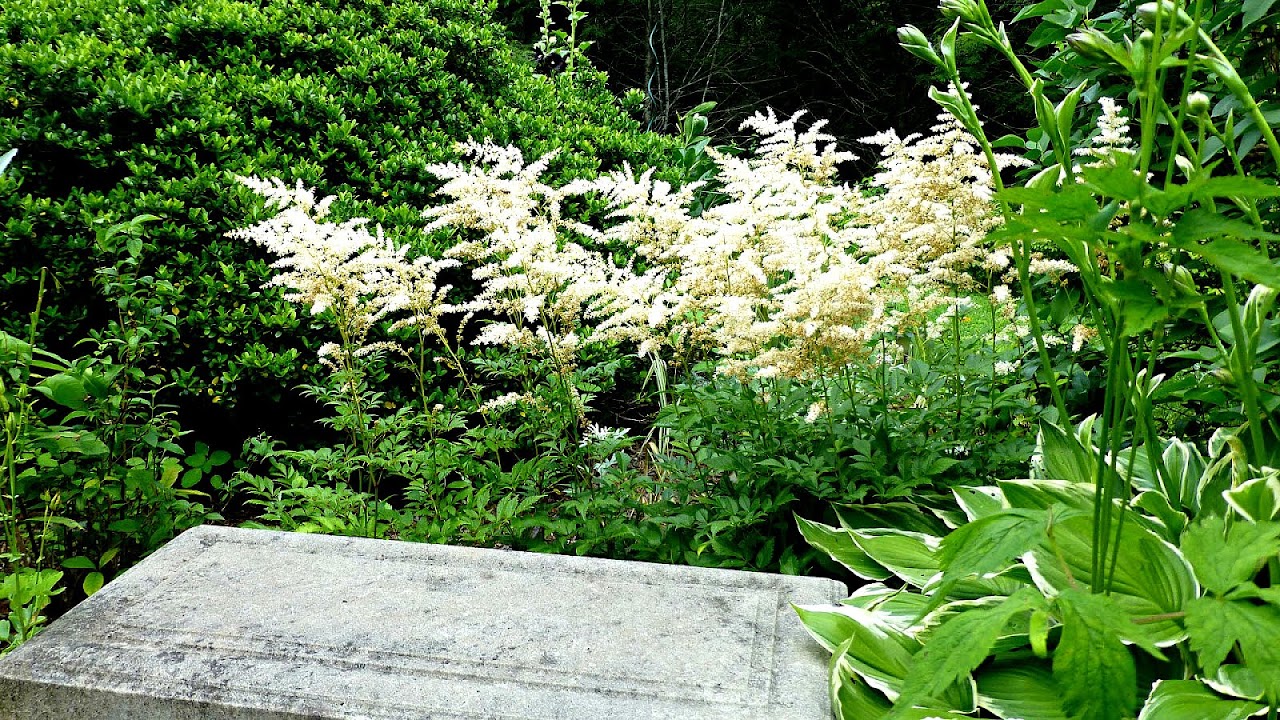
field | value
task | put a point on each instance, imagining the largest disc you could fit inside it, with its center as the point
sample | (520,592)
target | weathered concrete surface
(226,624)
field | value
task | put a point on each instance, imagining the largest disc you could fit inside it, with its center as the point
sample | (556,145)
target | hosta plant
(1001,616)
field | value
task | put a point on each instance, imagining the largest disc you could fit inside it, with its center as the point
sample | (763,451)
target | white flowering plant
(783,274)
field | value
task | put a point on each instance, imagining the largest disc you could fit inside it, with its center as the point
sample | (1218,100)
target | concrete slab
(231,624)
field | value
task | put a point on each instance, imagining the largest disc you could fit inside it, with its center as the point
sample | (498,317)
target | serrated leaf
(1216,626)
(1091,664)
(1188,700)
(1237,186)
(1223,559)
(959,646)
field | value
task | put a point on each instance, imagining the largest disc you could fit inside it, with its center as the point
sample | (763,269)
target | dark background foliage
(838,60)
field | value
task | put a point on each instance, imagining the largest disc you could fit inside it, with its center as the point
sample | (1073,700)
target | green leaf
(1091,664)
(1237,186)
(1023,690)
(1115,181)
(881,654)
(1255,10)
(1224,559)
(92,583)
(1227,253)
(79,563)
(1236,681)
(1044,494)
(987,545)
(1133,301)
(959,646)
(1064,456)
(898,607)
(1190,700)
(1216,626)
(851,698)
(899,516)
(1151,577)
(837,543)
(1257,499)
(977,502)
(908,555)
(64,390)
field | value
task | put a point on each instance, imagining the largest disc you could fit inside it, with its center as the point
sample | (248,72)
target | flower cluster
(792,273)
(360,277)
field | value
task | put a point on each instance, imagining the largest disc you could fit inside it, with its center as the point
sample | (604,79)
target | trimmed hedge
(123,107)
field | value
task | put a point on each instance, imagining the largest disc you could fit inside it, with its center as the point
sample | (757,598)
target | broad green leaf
(899,516)
(1189,700)
(1216,626)
(1255,10)
(93,582)
(1064,457)
(1091,664)
(987,545)
(1022,690)
(910,556)
(959,646)
(851,698)
(898,607)
(881,654)
(64,390)
(837,543)
(977,502)
(1257,499)
(79,563)
(1227,253)
(1236,681)
(1222,558)
(1151,576)
(1155,504)
(1044,494)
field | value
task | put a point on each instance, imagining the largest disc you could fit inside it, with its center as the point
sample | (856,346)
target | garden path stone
(225,624)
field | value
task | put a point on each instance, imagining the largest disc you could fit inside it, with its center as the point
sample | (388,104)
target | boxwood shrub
(123,107)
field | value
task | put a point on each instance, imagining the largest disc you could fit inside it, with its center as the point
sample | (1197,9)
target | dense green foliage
(121,108)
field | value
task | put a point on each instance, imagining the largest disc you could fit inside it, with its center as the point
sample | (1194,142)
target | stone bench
(248,624)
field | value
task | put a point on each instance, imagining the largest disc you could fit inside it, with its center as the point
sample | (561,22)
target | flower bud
(966,10)
(1181,279)
(914,42)
(1198,104)
(1167,10)
(1094,45)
